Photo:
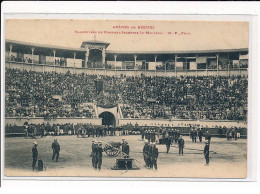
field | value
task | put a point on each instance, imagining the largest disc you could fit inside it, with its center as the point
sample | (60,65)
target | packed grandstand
(52,95)
(44,84)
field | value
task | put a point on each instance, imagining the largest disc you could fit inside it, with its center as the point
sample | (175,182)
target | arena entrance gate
(107,118)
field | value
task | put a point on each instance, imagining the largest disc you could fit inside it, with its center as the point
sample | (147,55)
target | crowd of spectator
(61,62)
(95,64)
(49,95)
(20,59)
(214,98)
(52,95)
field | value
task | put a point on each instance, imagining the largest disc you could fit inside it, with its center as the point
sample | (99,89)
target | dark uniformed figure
(181,145)
(142,134)
(234,133)
(153,136)
(208,137)
(206,152)
(99,151)
(149,136)
(195,134)
(34,155)
(168,143)
(125,148)
(175,134)
(92,149)
(94,153)
(145,153)
(229,135)
(200,133)
(146,134)
(42,128)
(220,132)
(178,134)
(56,150)
(191,135)
(153,155)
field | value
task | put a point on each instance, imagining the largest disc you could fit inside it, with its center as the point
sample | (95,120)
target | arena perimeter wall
(182,125)
(40,120)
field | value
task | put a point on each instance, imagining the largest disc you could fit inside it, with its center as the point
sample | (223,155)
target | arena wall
(184,128)
(37,120)
(183,123)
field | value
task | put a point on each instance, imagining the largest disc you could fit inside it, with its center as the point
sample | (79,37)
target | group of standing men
(150,153)
(149,134)
(96,154)
(194,133)
(55,155)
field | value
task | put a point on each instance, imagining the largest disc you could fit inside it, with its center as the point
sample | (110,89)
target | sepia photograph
(125,98)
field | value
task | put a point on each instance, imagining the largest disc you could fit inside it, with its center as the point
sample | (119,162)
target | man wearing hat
(153,155)
(168,143)
(56,149)
(208,137)
(178,134)
(94,153)
(99,156)
(200,133)
(34,154)
(145,153)
(206,151)
(125,148)
(181,145)
(92,147)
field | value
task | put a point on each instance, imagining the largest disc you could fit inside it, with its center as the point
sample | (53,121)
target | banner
(152,66)
(201,59)
(193,65)
(243,56)
(179,65)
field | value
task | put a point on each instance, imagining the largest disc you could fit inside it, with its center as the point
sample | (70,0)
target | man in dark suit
(181,145)
(34,155)
(145,153)
(168,144)
(99,151)
(208,137)
(200,133)
(191,135)
(56,149)
(153,154)
(125,148)
(206,152)
(94,153)
(195,134)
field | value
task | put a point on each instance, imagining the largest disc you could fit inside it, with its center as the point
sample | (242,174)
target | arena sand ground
(228,158)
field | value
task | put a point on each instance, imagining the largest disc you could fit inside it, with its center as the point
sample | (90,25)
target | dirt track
(228,158)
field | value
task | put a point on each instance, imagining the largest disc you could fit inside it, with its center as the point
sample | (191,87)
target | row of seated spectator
(61,62)
(95,64)
(58,61)
(20,59)
(30,93)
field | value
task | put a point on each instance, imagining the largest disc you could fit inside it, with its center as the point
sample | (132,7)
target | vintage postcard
(126,98)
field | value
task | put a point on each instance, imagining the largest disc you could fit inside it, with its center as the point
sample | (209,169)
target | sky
(153,36)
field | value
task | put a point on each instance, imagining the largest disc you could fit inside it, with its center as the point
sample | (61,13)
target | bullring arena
(95,94)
